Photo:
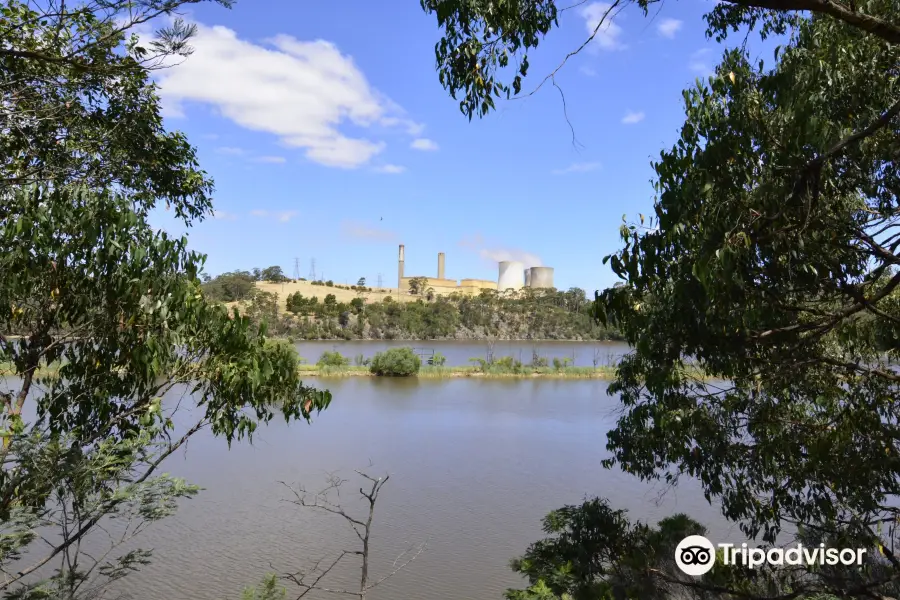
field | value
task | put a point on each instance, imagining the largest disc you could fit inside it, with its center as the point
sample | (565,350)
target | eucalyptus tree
(103,325)
(770,259)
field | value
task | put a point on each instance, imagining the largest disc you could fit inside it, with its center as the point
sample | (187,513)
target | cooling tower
(541,277)
(440,265)
(527,277)
(512,275)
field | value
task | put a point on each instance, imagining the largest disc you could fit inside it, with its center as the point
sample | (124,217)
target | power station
(512,275)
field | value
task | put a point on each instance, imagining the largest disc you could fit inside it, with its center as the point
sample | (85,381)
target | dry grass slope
(320,291)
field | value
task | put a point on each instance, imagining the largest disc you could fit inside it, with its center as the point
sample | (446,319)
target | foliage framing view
(772,261)
(103,325)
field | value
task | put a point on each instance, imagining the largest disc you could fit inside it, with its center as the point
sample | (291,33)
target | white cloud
(274,160)
(362,231)
(390,169)
(588,71)
(303,92)
(495,254)
(281,216)
(223,215)
(411,127)
(286,215)
(609,33)
(632,117)
(669,27)
(231,150)
(699,62)
(423,144)
(578,168)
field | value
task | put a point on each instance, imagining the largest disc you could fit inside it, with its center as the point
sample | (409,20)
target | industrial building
(512,275)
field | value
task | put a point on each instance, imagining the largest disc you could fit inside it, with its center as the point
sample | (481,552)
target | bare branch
(311,579)
(617,4)
(419,549)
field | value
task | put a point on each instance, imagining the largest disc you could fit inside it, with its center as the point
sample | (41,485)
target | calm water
(474,466)
(459,353)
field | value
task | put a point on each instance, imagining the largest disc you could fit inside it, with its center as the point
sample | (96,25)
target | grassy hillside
(283,290)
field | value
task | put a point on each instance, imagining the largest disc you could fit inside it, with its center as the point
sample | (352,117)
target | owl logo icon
(695,555)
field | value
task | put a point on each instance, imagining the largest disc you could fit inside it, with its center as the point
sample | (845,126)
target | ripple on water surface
(474,466)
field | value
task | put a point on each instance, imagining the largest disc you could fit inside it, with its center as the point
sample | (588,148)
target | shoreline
(429,372)
(425,372)
(450,340)
(604,373)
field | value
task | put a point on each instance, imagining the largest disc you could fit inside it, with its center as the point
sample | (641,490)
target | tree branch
(878,27)
(90,523)
(362,529)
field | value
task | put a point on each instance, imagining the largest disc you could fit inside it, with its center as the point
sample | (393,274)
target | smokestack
(400,269)
(440,265)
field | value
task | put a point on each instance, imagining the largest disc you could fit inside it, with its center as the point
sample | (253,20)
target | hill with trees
(528,314)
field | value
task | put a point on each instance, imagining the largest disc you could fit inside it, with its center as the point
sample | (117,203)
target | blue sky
(329,137)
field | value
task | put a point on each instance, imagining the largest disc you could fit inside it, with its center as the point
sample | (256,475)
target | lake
(458,353)
(474,465)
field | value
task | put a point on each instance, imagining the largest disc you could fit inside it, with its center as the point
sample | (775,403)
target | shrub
(481,363)
(438,360)
(332,359)
(396,362)
(508,363)
(562,364)
(329,283)
(539,361)
(274,343)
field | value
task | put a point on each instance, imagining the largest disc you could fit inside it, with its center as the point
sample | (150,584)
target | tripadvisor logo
(695,555)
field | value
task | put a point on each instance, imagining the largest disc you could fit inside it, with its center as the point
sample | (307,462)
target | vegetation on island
(395,362)
(405,362)
(771,260)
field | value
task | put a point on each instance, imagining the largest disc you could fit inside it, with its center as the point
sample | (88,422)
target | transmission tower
(296,268)
(379,280)
(312,270)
